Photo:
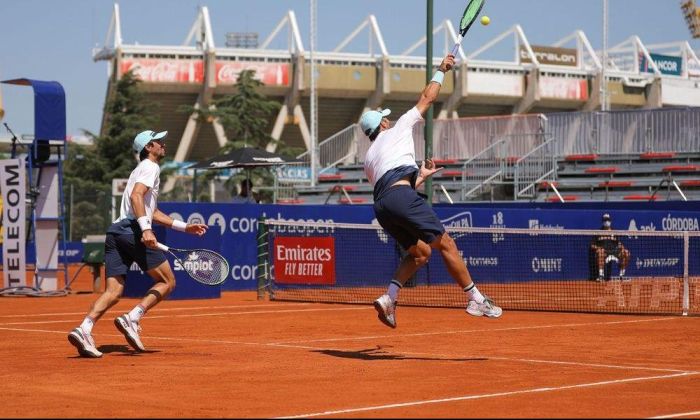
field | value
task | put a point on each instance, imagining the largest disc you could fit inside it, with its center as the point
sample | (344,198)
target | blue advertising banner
(236,226)
(667,64)
(137,282)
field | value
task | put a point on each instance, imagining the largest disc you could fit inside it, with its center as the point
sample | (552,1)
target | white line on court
(306,347)
(676,415)
(200,315)
(480,330)
(159,309)
(512,359)
(482,396)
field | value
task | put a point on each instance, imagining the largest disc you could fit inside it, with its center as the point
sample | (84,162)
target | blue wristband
(438,77)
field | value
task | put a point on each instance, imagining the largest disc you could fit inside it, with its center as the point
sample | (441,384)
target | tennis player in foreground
(130,239)
(390,165)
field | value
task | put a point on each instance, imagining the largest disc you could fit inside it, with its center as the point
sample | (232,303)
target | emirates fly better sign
(304,260)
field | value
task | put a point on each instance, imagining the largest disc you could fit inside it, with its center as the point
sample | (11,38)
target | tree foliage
(89,170)
(245,117)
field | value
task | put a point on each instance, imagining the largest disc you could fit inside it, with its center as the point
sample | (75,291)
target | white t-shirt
(147,173)
(393,148)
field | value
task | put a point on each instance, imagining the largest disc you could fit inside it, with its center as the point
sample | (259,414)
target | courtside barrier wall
(233,229)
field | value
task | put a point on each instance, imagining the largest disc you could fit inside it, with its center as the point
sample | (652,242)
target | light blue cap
(370,120)
(142,139)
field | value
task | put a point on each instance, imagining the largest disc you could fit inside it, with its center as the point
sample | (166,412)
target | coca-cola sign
(274,74)
(304,260)
(166,71)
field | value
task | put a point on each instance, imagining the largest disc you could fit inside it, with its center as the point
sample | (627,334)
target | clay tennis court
(240,357)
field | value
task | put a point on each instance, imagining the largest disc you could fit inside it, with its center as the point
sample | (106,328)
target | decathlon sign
(667,64)
(550,55)
(13,221)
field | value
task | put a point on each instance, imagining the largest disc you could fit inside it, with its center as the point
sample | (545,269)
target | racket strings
(206,266)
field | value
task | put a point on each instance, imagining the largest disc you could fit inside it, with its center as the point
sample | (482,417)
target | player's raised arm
(432,89)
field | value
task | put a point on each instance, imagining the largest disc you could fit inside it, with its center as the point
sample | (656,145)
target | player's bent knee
(421,261)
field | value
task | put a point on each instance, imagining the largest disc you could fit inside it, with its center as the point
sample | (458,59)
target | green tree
(245,116)
(88,170)
(127,113)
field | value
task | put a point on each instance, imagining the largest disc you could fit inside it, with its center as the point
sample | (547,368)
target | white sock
(87,325)
(474,293)
(393,290)
(600,273)
(136,313)
(622,272)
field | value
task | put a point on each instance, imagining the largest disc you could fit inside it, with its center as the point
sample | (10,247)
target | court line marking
(159,309)
(671,416)
(306,347)
(62,321)
(514,359)
(482,396)
(282,344)
(532,327)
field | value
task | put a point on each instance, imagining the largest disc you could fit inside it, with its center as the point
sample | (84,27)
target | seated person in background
(607,245)
(246,195)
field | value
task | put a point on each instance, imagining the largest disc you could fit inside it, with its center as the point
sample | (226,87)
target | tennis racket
(468,17)
(203,265)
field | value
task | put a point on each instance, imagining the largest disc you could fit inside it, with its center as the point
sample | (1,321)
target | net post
(686,261)
(262,271)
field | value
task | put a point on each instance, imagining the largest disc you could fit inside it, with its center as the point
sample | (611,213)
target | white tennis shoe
(131,330)
(386,310)
(488,308)
(84,343)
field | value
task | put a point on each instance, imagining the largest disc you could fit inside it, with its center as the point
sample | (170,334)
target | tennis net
(520,269)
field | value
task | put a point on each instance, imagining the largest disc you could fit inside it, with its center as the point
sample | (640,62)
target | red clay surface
(239,357)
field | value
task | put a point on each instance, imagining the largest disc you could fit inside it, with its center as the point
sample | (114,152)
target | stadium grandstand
(526,127)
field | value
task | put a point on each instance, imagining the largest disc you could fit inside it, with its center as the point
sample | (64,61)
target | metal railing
(626,132)
(537,165)
(482,169)
(336,149)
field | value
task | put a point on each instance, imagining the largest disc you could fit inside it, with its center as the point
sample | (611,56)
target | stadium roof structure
(563,76)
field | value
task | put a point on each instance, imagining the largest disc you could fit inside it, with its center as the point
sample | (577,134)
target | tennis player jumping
(130,239)
(390,165)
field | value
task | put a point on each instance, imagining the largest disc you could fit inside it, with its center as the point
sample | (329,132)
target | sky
(53,40)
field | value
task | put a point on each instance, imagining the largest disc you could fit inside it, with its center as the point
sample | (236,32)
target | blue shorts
(407,217)
(122,250)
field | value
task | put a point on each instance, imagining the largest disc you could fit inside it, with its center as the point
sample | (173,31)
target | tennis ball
(485,20)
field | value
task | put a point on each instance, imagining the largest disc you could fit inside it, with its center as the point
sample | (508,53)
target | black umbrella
(247,157)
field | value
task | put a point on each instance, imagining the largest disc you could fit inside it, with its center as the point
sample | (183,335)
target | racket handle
(456,47)
(162,247)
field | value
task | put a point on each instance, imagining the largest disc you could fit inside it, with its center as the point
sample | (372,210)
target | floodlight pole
(428,130)
(313,96)
(604,104)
